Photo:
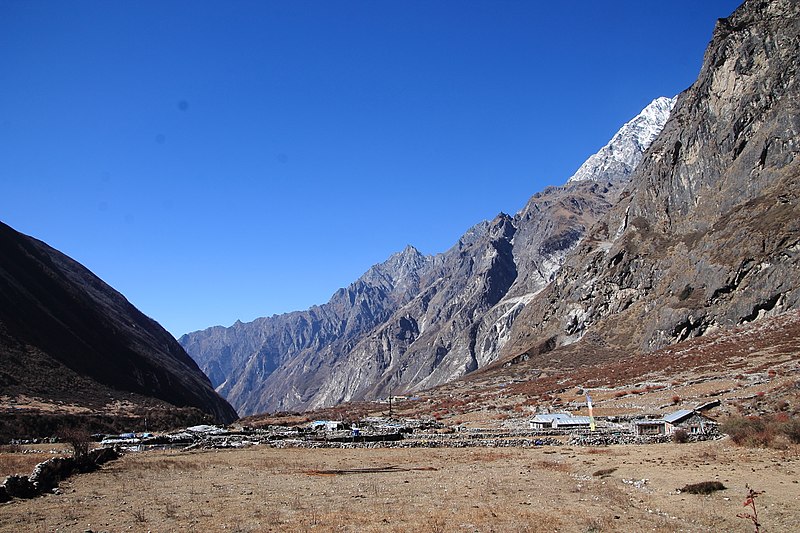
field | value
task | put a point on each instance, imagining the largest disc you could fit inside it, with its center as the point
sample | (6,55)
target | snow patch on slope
(624,151)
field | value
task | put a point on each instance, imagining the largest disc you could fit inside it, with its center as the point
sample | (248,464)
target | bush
(704,487)
(680,436)
(757,431)
(792,431)
(78,439)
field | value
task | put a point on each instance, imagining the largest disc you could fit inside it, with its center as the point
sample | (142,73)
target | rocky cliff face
(64,333)
(413,321)
(707,234)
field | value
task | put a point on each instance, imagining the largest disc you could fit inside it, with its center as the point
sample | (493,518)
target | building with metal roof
(558,420)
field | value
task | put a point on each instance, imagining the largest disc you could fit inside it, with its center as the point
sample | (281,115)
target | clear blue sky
(216,161)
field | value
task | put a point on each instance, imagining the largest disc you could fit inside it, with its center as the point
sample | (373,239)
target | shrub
(704,487)
(78,439)
(792,431)
(758,431)
(680,436)
(676,400)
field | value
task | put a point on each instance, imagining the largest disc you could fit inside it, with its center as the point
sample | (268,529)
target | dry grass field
(752,370)
(427,490)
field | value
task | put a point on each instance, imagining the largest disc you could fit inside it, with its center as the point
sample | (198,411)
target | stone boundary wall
(46,475)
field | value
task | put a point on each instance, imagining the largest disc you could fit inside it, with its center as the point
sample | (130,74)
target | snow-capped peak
(617,159)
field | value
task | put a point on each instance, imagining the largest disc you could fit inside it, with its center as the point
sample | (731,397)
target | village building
(689,420)
(327,425)
(559,421)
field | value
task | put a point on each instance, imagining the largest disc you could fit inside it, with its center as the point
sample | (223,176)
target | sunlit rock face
(706,234)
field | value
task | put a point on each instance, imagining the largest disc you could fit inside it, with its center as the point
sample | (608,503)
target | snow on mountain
(622,154)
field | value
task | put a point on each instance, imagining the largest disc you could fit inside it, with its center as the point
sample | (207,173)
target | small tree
(78,439)
(750,501)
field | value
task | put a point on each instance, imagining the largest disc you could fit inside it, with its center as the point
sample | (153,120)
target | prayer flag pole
(591,414)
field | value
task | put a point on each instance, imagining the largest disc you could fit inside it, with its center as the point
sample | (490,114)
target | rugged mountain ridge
(66,334)
(415,321)
(241,358)
(707,234)
(703,235)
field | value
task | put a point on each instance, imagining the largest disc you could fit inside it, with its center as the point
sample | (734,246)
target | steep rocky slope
(67,336)
(707,235)
(415,321)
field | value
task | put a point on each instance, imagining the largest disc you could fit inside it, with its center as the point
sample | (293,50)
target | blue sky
(216,161)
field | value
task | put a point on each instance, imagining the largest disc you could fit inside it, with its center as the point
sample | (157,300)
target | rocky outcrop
(415,322)
(65,333)
(707,234)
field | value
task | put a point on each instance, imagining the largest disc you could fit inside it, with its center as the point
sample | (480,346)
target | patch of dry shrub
(553,466)
(704,487)
(762,431)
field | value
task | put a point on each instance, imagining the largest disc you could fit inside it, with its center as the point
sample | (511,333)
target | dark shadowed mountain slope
(415,321)
(707,235)
(65,333)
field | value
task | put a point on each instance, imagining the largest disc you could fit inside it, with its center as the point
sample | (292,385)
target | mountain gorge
(417,321)
(645,246)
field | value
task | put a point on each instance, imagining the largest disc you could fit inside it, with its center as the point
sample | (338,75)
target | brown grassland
(429,490)
(751,373)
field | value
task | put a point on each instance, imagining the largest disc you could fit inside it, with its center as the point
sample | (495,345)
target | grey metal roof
(678,415)
(575,420)
(549,417)
(560,418)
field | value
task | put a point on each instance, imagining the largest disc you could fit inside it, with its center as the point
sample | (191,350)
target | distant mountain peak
(618,159)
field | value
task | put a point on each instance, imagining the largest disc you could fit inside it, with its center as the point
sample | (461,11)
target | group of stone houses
(690,420)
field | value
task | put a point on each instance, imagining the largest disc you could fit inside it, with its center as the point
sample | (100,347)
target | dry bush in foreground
(704,487)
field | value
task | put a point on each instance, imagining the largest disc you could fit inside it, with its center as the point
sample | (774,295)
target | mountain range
(418,321)
(683,224)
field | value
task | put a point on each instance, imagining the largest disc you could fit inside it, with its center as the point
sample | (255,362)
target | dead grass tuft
(553,466)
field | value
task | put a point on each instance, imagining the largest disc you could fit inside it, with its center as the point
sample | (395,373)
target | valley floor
(549,489)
